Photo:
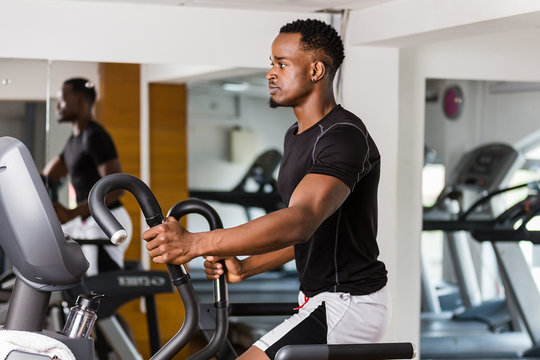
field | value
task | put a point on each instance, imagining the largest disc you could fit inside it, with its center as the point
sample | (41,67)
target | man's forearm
(257,264)
(275,231)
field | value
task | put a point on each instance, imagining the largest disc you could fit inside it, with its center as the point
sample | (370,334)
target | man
(88,156)
(328,179)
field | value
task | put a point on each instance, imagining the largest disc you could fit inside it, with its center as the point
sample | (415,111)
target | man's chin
(273,104)
(64,120)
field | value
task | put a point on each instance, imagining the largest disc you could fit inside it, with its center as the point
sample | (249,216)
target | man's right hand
(214,269)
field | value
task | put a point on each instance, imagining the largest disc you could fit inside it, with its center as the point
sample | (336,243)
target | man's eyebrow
(278,58)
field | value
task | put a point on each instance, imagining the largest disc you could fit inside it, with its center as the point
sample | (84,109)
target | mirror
(23,94)
(23,108)
(461,276)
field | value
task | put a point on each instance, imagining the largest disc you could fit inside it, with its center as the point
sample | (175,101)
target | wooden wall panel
(118,110)
(168,160)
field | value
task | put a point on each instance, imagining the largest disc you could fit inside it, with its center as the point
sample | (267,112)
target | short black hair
(319,36)
(84,87)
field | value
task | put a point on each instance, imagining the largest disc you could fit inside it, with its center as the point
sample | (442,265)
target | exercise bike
(45,261)
(152,212)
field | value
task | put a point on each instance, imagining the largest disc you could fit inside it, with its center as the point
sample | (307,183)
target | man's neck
(80,124)
(311,112)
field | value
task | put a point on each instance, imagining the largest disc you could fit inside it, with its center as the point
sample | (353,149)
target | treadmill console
(486,166)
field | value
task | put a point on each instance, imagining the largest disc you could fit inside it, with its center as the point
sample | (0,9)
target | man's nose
(270,75)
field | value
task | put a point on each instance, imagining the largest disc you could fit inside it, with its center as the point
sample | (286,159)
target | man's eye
(281,65)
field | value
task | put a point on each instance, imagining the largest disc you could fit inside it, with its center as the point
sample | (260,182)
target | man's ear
(80,100)
(318,70)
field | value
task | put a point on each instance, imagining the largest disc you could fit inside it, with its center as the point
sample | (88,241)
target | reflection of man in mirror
(88,155)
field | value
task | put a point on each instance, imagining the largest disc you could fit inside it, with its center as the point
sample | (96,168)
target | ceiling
(269,5)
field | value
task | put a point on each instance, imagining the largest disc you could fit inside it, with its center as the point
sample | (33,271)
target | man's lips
(272,89)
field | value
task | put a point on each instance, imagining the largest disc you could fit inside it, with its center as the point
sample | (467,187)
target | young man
(328,179)
(88,156)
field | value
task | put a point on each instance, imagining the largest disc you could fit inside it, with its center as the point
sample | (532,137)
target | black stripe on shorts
(312,330)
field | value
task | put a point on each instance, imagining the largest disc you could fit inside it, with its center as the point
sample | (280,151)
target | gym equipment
(346,352)
(112,228)
(467,207)
(265,197)
(45,261)
(179,275)
(120,286)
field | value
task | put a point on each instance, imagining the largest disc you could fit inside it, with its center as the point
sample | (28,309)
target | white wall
(371,91)
(146,34)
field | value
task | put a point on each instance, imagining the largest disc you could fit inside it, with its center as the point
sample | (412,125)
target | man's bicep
(345,153)
(321,195)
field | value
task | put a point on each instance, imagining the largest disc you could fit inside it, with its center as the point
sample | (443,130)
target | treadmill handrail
(491,194)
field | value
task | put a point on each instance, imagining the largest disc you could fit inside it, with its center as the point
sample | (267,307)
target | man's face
(69,104)
(289,79)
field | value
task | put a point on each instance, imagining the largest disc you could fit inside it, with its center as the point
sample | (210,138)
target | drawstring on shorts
(306,299)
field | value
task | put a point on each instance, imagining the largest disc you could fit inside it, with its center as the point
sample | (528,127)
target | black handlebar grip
(196,206)
(144,196)
(221,302)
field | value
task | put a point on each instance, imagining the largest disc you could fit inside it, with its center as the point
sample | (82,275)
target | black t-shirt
(83,154)
(341,256)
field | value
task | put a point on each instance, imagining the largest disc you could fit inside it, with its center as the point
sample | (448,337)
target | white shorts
(332,318)
(89,229)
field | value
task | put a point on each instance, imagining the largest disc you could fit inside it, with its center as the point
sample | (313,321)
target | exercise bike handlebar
(196,206)
(221,301)
(348,351)
(154,216)
(144,196)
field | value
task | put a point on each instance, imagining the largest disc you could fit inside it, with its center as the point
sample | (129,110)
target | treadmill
(463,208)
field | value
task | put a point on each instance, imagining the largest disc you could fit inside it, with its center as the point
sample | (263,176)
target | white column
(372,90)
